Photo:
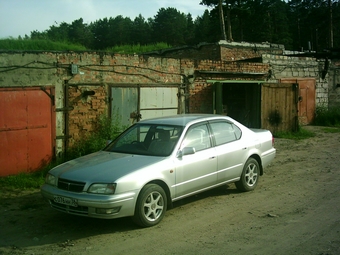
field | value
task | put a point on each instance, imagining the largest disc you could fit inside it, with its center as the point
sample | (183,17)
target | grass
(15,44)
(135,49)
(23,181)
(299,135)
(331,129)
(40,45)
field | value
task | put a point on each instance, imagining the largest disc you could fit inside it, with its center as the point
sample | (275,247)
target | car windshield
(147,139)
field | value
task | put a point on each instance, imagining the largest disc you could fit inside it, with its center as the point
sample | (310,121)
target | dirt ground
(295,209)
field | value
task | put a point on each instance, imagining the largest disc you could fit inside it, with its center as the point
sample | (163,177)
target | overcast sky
(20,17)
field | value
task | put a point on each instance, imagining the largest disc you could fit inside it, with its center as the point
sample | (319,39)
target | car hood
(103,166)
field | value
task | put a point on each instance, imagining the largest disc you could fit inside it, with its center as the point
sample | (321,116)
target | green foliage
(23,181)
(170,26)
(105,130)
(40,44)
(331,129)
(327,116)
(298,135)
(137,48)
(37,44)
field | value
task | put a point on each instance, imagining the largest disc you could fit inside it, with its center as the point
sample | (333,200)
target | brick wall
(85,110)
(200,91)
(334,84)
(229,53)
(299,67)
(95,71)
(222,50)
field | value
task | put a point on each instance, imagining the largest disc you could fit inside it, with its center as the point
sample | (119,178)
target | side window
(237,131)
(225,132)
(197,137)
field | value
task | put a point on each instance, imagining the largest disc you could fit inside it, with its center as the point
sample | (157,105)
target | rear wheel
(250,176)
(151,206)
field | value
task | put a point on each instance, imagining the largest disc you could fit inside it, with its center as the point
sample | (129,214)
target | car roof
(184,119)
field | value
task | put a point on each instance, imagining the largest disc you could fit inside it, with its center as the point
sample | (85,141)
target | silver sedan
(156,162)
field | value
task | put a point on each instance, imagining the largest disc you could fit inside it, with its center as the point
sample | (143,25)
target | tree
(141,31)
(219,5)
(80,33)
(59,33)
(120,30)
(190,31)
(203,31)
(170,26)
(101,34)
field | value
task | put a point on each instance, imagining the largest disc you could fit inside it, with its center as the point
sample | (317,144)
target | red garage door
(26,129)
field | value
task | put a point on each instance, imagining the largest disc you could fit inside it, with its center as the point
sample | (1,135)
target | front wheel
(250,176)
(151,206)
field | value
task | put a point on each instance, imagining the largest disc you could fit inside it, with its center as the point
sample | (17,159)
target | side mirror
(186,151)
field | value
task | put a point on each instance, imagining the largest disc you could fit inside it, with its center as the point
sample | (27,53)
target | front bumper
(92,205)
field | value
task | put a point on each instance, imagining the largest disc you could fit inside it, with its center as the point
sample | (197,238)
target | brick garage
(189,68)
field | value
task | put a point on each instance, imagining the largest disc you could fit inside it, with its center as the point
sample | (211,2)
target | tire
(250,176)
(151,206)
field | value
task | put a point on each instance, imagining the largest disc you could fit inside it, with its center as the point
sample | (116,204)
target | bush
(106,129)
(327,116)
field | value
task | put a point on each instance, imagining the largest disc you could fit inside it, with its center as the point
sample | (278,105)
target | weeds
(299,135)
(106,129)
(12,44)
(331,129)
(137,48)
(35,44)
(327,116)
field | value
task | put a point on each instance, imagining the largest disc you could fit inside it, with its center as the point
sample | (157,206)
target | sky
(21,17)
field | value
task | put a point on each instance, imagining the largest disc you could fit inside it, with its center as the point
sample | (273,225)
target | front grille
(70,185)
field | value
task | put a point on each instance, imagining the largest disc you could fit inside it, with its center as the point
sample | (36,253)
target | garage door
(25,130)
(279,111)
(130,104)
(306,106)
(158,102)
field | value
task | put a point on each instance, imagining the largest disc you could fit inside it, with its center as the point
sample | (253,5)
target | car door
(197,170)
(231,151)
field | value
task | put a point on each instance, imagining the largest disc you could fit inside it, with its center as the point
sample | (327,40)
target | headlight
(102,188)
(51,180)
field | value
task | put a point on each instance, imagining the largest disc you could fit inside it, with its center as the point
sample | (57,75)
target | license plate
(66,201)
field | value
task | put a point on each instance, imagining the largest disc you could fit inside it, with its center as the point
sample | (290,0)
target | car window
(238,132)
(225,132)
(147,139)
(197,137)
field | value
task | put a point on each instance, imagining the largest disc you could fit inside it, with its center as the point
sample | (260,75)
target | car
(156,162)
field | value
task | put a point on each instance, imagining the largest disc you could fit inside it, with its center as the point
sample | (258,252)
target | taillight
(273,141)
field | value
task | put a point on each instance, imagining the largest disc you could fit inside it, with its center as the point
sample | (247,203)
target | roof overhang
(236,81)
